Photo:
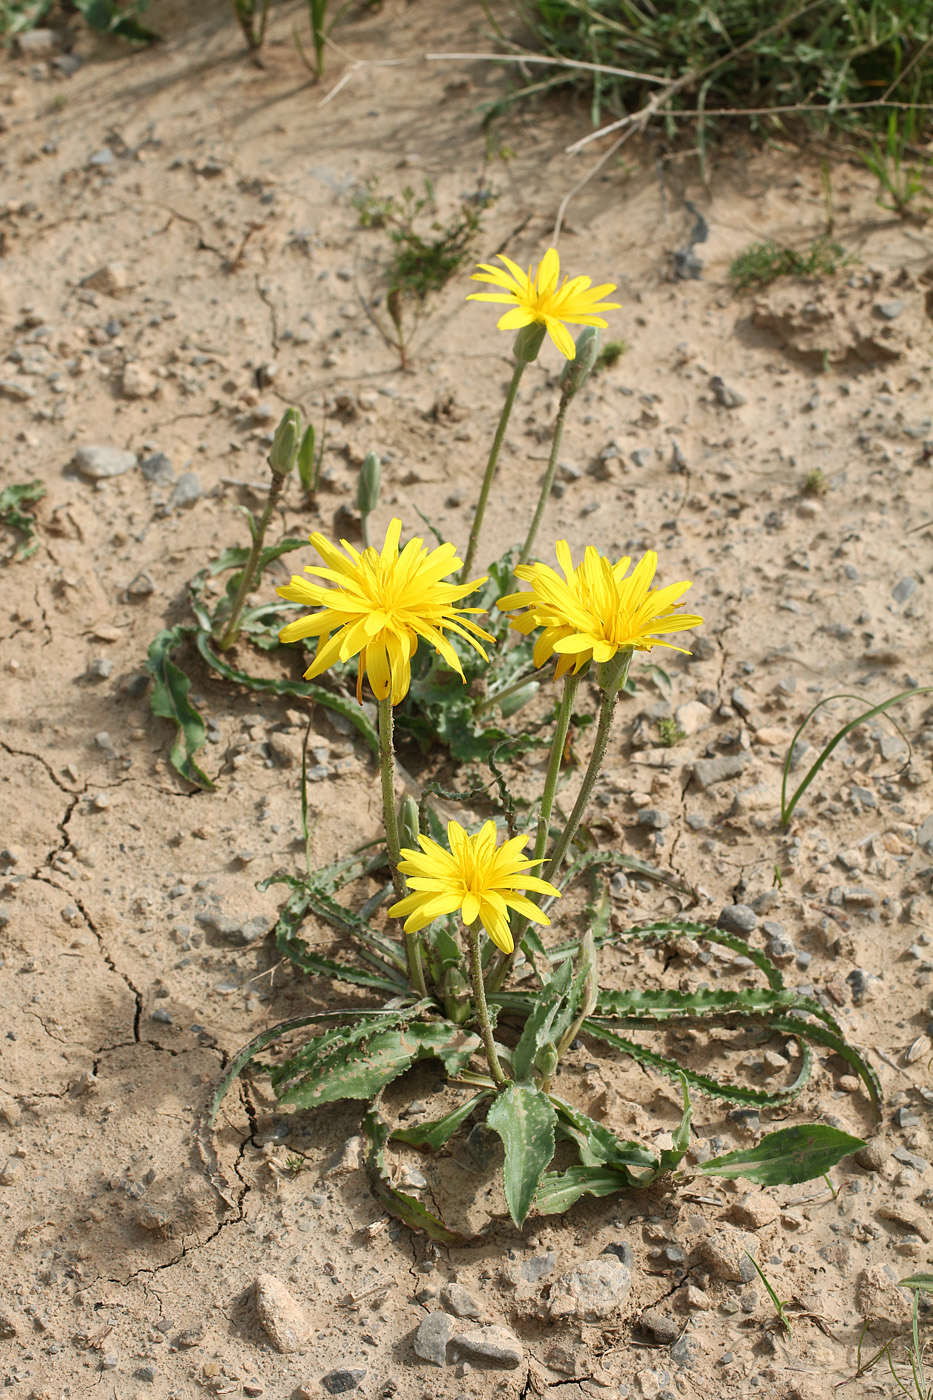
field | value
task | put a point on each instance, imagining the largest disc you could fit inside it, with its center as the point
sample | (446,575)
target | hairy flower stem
(504,963)
(612,676)
(548,478)
(390,816)
(520,366)
(247,578)
(480,1007)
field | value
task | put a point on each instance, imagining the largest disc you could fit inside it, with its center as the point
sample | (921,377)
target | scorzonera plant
(454,940)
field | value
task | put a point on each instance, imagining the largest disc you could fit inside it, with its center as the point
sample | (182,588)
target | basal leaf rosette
(595,611)
(476,878)
(381,604)
(539,300)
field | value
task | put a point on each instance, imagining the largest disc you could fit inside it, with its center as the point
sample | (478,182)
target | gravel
(738,918)
(710,771)
(594,1289)
(98,463)
(433,1336)
(282,1319)
(496,1347)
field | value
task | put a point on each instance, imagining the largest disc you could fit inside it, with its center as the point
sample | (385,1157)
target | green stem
(247,578)
(480,1007)
(612,676)
(548,478)
(519,370)
(504,963)
(390,816)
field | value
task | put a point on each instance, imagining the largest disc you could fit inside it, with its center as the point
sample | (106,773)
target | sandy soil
(124,1274)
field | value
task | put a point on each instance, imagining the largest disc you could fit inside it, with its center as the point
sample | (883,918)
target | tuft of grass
(900,183)
(815,483)
(610,354)
(765,262)
(425,253)
(669,733)
(812,61)
(15,514)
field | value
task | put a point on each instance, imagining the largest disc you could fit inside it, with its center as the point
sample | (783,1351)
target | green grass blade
(787,808)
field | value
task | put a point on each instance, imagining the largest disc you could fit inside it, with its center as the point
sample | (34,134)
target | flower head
(539,299)
(594,611)
(474,876)
(382,603)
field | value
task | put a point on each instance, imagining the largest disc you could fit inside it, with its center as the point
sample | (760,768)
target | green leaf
(389,976)
(786,1158)
(303,689)
(673,1069)
(12,498)
(106,17)
(236,556)
(404,1207)
(671,1157)
(434,1134)
(525,1120)
(204,1132)
(356,1066)
(805,1030)
(170,700)
(598,1146)
(922,1281)
(539,1027)
(557,1191)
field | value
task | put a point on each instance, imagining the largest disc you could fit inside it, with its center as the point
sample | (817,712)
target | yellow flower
(473,876)
(540,299)
(382,603)
(594,611)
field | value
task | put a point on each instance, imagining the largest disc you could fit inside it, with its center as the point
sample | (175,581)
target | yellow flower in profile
(594,611)
(483,882)
(540,299)
(382,603)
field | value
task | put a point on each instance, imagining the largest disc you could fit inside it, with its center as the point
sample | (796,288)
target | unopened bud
(369,484)
(306,459)
(546,1061)
(577,371)
(529,341)
(408,824)
(284,453)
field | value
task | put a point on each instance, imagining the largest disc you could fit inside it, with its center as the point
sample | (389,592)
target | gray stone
(282,1319)
(342,1380)
(686,1353)
(592,1290)
(158,469)
(141,586)
(709,771)
(874,1154)
(97,463)
(925,835)
(890,310)
(102,157)
(741,701)
(33,43)
(100,668)
(863,795)
(13,389)
(432,1337)
(728,398)
(460,1301)
(496,1347)
(905,1119)
(653,819)
(863,985)
(238,932)
(904,589)
(738,918)
(536,1268)
(186,491)
(859,897)
(724,1252)
(145,1373)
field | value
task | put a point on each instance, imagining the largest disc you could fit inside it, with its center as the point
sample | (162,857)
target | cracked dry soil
(225,194)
